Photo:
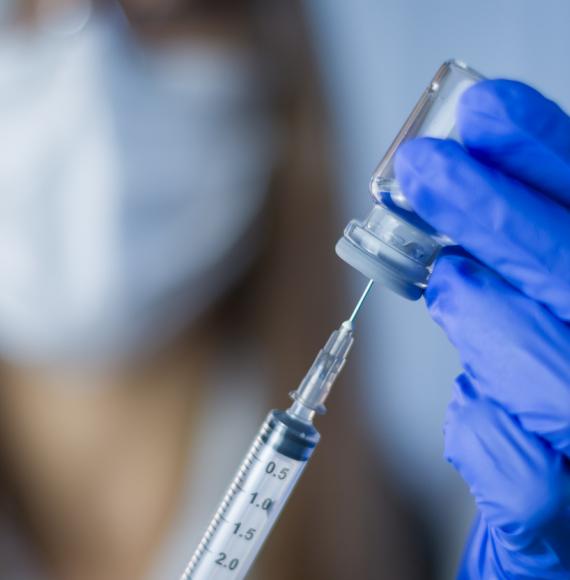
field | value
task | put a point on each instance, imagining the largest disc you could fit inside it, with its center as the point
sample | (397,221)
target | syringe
(271,469)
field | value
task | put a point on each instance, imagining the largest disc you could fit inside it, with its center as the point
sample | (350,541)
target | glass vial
(393,245)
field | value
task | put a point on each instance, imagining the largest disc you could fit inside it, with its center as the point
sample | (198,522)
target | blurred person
(166,268)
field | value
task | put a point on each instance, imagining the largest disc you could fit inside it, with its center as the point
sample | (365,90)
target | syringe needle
(361,301)
(317,383)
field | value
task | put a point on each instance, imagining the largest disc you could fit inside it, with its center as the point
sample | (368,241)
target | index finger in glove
(516,231)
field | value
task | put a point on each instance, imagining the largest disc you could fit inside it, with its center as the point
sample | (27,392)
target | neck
(98,466)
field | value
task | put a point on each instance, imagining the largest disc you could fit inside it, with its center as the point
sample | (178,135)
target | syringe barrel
(254,500)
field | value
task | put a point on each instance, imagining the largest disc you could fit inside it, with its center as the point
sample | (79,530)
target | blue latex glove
(506,307)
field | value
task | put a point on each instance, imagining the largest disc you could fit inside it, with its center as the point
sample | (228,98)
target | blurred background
(173,177)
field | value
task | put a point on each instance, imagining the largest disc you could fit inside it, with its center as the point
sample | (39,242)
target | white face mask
(127,184)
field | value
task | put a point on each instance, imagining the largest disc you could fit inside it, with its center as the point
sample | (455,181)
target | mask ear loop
(68,19)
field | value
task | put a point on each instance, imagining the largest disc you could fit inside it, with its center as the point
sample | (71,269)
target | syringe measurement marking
(273,472)
(212,531)
(246,512)
(231,566)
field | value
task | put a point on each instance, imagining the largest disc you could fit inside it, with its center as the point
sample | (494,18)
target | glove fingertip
(452,268)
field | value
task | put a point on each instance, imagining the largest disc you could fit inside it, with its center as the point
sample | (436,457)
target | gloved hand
(505,198)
